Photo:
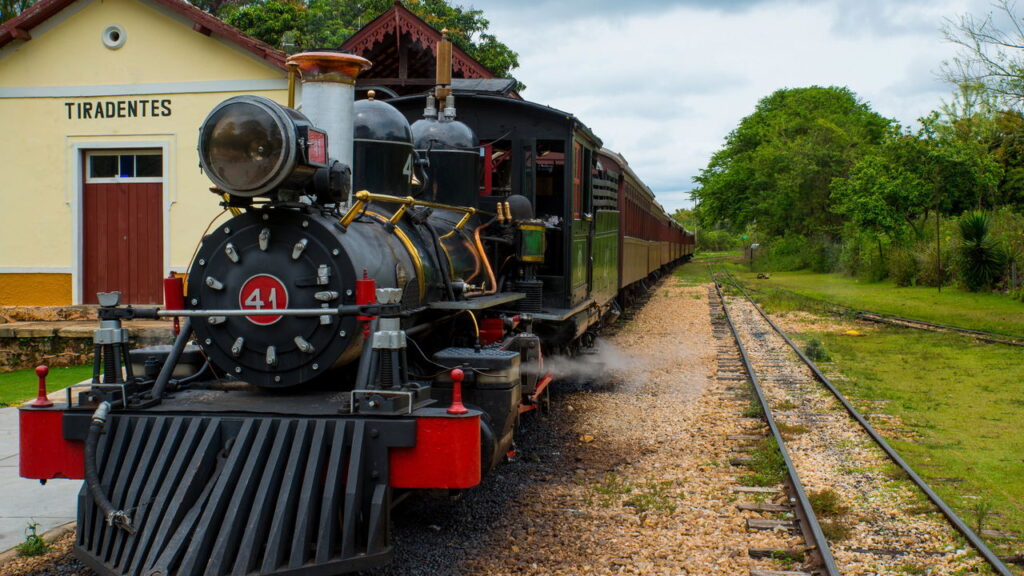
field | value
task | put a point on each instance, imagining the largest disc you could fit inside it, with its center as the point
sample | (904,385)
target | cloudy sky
(663,82)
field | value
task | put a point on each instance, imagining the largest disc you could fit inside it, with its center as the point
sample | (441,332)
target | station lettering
(118,109)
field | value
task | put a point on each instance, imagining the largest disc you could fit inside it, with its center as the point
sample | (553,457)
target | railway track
(858,506)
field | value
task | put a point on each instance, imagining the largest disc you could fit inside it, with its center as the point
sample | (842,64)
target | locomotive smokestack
(328,94)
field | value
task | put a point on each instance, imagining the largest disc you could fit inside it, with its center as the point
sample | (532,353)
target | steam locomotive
(372,320)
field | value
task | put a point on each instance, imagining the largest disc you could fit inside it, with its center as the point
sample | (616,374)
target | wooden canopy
(402,48)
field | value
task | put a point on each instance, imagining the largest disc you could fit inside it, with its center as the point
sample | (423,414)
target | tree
(777,166)
(11,8)
(989,56)
(887,190)
(982,257)
(1007,149)
(296,25)
(277,22)
(685,217)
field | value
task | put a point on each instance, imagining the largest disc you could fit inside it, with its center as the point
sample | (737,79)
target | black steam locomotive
(373,319)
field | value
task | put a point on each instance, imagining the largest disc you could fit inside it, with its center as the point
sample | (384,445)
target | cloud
(562,10)
(883,18)
(663,83)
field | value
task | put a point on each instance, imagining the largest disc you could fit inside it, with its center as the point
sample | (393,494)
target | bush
(795,252)
(783,254)
(981,259)
(823,254)
(716,241)
(927,273)
(815,350)
(863,255)
(903,267)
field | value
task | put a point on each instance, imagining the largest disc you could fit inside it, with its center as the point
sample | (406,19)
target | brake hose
(116,518)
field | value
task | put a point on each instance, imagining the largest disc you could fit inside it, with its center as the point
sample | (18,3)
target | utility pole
(938,244)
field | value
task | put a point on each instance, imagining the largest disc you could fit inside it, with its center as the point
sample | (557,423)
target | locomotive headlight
(250,146)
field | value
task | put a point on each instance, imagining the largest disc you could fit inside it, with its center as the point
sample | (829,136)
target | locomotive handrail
(459,226)
(364,197)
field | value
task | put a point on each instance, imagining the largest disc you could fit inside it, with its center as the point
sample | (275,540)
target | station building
(101,102)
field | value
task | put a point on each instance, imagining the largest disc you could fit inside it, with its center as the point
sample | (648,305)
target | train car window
(526,189)
(497,179)
(589,161)
(549,165)
(577,180)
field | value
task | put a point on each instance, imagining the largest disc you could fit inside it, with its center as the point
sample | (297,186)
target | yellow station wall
(41,150)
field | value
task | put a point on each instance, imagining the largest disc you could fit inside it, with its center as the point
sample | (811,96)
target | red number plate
(263,292)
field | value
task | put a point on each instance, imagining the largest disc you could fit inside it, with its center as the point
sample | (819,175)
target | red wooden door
(123,241)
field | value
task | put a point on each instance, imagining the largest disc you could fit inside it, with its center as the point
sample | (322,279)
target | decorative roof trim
(401,20)
(203,23)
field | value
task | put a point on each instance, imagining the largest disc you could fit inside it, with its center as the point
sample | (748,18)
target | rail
(818,544)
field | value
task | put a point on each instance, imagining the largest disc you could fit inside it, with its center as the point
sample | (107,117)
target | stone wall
(66,343)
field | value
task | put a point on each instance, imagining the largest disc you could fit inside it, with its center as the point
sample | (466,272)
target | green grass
(652,496)
(21,385)
(725,255)
(611,489)
(978,311)
(767,466)
(961,400)
(696,271)
(34,545)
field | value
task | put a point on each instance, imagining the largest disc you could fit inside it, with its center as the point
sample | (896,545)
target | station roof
(402,48)
(20,27)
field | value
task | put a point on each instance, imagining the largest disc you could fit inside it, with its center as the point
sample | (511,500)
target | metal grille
(217,495)
(534,290)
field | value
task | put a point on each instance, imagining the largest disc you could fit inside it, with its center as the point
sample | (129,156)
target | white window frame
(126,151)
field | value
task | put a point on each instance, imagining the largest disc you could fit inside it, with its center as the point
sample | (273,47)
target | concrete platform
(23,501)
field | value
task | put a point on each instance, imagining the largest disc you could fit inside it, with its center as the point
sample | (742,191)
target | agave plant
(982,258)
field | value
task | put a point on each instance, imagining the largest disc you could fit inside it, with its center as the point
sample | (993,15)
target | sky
(664,82)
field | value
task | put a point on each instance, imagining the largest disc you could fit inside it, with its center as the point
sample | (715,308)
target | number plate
(263,292)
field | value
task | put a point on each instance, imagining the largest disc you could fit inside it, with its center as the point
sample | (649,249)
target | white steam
(603,363)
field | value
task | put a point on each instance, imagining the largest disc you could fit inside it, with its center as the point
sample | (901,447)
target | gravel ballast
(628,474)
(881,523)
